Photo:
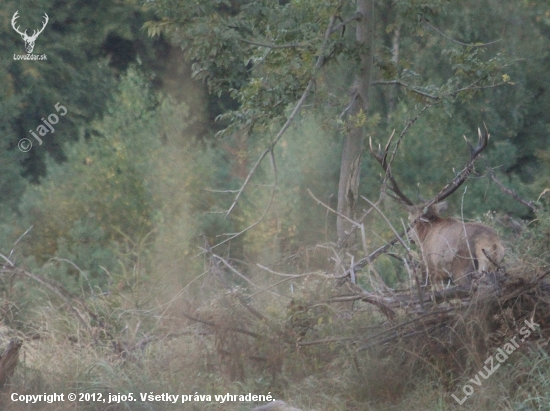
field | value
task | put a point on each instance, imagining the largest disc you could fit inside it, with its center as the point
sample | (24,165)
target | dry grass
(149,333)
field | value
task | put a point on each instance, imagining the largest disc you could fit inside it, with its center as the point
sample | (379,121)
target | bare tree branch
(60,292)
(305,94)
(433,96)
(355,223)
(408,87)
(483,139)
(426,22)
(471,87)
(511,193)
(355,17)
(19,239)
(274,46)
(214,325)
(400,239)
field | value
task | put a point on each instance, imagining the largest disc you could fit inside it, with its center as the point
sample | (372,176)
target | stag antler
(483,140)
(381,157)
(444,193)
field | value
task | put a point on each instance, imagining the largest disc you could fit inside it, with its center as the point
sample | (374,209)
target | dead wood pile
(455,323)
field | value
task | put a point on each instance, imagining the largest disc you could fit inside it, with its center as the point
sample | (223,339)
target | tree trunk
(350,165)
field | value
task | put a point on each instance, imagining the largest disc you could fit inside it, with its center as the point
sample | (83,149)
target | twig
(356,16)
(214,325)
(210,190)
(325,341)
(7,260)
(305,94)
(232,236)
(511,193)
(457,41)
(241,275)
(360,222)
(291,275)
(274,46)
(19,239)
(388,222)
(360,226)
(78,269)
(396,336)
(60,292)
(432,96)
(248,177)
(408,87)
(355,223)
(470,87)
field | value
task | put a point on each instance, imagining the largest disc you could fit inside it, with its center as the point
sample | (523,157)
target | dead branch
(325,341)
(437,98)
(274,46)
(406,86)
(483,140)
(218,326)
(61,292)
(297,108)
(511,193)
(251,226)
(400,239)
(352,222)
(427,23)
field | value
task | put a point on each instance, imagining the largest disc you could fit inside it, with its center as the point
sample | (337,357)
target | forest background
(135,213)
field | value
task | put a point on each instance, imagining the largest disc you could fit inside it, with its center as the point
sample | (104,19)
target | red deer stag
(452,250)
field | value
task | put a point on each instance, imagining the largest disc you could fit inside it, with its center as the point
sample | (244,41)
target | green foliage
(225,45)
(294,218)
(101,194)
(81,72)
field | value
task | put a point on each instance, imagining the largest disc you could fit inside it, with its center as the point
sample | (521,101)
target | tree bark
(350,165)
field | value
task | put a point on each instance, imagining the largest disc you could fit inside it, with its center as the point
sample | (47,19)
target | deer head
(29,40)
(452,250)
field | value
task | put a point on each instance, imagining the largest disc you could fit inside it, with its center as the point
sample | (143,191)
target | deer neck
(423,227)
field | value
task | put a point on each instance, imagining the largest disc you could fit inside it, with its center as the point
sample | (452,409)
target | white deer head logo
(29,40)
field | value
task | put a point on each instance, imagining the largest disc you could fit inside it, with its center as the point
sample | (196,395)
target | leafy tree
(274,55)
(88,46)
(99,199)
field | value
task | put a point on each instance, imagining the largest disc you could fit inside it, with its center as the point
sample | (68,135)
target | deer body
(453,250)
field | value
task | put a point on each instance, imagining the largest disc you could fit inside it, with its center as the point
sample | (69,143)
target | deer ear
(440,207)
